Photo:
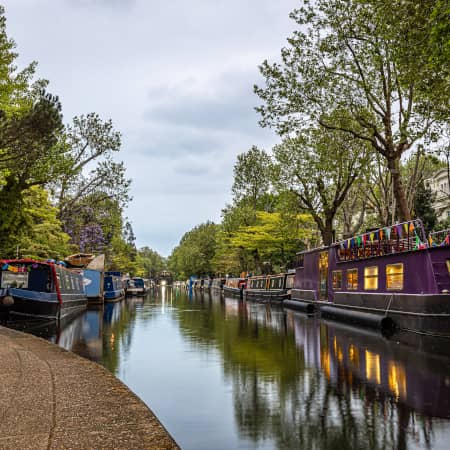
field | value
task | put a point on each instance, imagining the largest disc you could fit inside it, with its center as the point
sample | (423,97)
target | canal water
(225,374)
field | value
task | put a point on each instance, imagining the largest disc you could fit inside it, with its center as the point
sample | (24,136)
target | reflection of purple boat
(390,276)
(362,359)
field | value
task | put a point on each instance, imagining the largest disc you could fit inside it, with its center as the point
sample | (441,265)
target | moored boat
(392,276)
(275,288)
(113,287)
(217,284)
(41,289)
(136,286)
(93,274)
(234,287)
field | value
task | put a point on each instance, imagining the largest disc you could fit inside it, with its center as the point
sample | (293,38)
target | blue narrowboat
(113,287)
(44,290)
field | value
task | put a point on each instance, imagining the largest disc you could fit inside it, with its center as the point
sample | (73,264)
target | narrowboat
(113,287)
(234,287)
(206,284)
(390,277)
(44,290)
(136,286)
(217,284)
(275,288)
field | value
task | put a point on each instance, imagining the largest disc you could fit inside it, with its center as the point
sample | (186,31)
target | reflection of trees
(284,393)
(118,325)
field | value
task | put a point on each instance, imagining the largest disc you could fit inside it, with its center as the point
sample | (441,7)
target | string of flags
(15,269)
(396,231)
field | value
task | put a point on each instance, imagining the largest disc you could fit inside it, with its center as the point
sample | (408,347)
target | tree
(194,254)
(423,207)
(91,142)
(320,167)
(150,262)
(32,155)
(251,176)
(356,59)
(45,237)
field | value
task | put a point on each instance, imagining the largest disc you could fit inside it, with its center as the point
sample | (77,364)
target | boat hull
(131,292)
(420,313)
(266,295)
(232,292)
(45,305)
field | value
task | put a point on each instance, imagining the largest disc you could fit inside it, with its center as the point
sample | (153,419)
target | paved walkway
(52,399)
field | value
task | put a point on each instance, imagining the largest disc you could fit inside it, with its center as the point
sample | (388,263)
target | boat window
(371,278)
(337,279)
(300,260)
(276,283)
(394,276)
(290,281)
(352,279)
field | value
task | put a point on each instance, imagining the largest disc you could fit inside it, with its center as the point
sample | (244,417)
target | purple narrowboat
(389,277)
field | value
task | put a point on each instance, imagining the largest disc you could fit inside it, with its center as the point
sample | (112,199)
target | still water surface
(225,374)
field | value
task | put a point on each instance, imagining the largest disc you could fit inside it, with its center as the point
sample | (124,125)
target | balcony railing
(398,238)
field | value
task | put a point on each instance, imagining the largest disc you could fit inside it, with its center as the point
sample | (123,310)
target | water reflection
(223,373)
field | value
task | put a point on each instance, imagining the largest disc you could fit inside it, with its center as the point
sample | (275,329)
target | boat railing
(439,238)
(398,238)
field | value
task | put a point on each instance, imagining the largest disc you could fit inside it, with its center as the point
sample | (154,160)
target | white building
(439,185)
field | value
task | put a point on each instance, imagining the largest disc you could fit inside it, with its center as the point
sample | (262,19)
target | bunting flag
(341,245)
(364,238)
(348,243)
(352,242)
(358,241)
(398,228)
(344,244)
(388,232)
(371,237)
(417,244)
(430,240)
(411,227)
(381,234)
(405,227)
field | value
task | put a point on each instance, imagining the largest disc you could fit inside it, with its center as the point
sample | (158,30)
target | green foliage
(423,207)
(194,254)
(149,262)
(320,166)
(251,176)
(45,238)
(358,67)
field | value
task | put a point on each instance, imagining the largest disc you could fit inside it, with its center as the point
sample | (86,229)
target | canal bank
(52,399)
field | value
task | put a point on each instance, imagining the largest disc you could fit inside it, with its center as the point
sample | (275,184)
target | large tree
(368,60)
(320,167)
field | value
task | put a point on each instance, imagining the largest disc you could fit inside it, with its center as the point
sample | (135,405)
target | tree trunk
(327,232)
(399,191)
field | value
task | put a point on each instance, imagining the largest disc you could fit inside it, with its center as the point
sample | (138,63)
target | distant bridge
(164,278)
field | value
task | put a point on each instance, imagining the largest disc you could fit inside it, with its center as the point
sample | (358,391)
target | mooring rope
(389,305)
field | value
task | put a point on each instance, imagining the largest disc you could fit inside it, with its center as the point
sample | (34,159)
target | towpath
(52,399)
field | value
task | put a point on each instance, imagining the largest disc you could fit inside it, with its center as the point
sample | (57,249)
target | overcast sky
(175,76)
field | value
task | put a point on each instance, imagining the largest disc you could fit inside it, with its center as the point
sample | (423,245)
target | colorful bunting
(411,227)
(405,227)
(388,232)
(371,237)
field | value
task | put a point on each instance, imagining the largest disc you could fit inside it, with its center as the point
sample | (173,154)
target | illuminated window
(352,279)
(337,279)
(394,276)
(371,278)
